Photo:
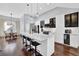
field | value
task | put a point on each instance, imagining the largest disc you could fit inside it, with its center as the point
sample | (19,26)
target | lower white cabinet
(74,40)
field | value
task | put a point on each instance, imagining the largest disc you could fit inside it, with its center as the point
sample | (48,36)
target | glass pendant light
(11,23)
(11,18)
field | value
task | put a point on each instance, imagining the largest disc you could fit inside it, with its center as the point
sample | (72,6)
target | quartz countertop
(37,37)
(72,33)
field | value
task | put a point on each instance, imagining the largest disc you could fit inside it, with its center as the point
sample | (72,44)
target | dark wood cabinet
(52,22)
(67,20)
(74,19)
(71,20)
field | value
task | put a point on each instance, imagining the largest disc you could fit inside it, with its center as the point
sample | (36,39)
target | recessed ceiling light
(37,14)
(27,4)
(48,3)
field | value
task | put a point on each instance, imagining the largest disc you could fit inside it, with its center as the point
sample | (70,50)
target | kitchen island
(46,47)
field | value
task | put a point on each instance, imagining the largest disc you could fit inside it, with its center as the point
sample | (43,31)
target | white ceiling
(18,9)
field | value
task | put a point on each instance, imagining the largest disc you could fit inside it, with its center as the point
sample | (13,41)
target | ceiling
(18,9)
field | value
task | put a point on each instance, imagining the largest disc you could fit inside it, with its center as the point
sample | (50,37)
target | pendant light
(37,13)
(11,18)
(31,10)
(11,23)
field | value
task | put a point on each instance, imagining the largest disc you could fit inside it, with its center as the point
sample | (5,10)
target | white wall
(59,28)
(18,27)
(1,27)
(22,25)
(25,22)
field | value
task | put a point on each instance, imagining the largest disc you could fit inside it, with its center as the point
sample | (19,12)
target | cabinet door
(74,41)
(74,19)
(67,20)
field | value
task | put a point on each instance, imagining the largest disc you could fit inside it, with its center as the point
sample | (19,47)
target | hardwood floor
(12,48)
(15,48)
(62,50)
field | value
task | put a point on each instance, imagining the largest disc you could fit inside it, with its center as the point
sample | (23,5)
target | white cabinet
(74,40)
(46,48)
(50,45)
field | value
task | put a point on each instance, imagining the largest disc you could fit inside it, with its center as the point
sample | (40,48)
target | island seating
(29,47)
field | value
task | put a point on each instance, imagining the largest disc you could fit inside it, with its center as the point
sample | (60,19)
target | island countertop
(38,37)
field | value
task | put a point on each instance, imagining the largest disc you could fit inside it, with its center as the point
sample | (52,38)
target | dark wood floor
(62,50)
(15,49)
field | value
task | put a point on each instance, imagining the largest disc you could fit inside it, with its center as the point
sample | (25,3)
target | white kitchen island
(46,47)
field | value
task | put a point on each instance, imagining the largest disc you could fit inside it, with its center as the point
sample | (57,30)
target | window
(9,26)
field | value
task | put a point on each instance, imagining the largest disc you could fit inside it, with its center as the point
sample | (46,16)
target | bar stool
(29,39)
(35,44)
(28,46)
(24,39)
(32,42)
